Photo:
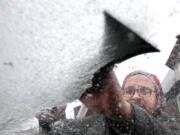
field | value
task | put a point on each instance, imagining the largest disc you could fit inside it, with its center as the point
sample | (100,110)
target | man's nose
(136,95)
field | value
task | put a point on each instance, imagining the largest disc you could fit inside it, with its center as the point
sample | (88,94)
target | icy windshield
(64,66)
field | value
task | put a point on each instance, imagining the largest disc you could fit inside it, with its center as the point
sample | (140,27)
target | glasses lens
(145,91)
(129,92)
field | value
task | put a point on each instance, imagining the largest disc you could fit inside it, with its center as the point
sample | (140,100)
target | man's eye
(130,91)
(145,91)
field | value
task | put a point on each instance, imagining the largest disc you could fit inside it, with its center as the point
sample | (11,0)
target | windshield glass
(68,65)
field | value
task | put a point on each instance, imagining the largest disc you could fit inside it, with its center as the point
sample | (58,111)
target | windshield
(64,64)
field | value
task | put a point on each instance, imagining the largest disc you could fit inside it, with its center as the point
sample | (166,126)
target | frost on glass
(49,50)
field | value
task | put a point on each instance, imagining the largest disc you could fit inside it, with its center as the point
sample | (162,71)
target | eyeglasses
(143,91)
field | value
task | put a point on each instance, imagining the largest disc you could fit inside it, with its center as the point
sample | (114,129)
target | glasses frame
(139,91)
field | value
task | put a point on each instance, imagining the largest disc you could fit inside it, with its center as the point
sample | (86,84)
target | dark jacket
(142,123)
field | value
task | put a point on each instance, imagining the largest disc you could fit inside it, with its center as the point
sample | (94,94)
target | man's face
(140,90)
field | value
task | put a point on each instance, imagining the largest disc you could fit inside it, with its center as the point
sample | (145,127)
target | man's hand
(109,101)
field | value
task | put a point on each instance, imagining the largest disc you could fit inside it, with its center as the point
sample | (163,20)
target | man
(134,110)
(143,89)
